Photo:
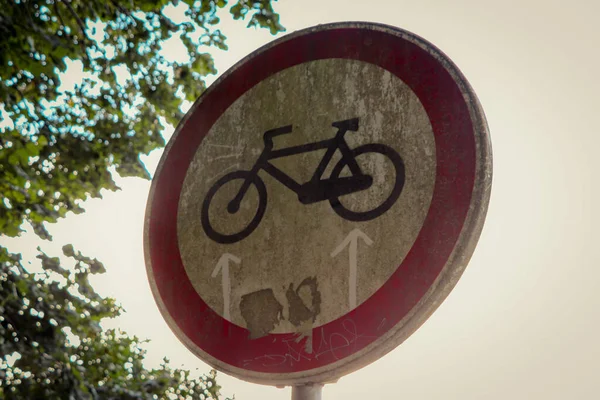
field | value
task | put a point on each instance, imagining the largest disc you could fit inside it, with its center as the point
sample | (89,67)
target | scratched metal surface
(293,241)
(295,277)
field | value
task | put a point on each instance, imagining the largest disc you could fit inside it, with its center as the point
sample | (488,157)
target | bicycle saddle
(271,133)
(347,124)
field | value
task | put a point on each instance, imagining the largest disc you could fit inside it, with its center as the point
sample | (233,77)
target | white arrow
(352,242)
(223,267)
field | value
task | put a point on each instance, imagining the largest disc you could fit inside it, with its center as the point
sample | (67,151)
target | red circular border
(449,115)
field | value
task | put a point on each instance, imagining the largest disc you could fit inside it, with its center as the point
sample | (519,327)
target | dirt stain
(299,311)
(261,311)
(304,307)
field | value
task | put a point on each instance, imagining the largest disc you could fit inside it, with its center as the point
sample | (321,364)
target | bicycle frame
(317,189)
(333,144)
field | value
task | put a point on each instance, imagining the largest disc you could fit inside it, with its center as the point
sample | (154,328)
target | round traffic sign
(317,203)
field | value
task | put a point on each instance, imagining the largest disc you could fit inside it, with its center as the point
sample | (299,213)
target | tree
(52,327)
(58,148)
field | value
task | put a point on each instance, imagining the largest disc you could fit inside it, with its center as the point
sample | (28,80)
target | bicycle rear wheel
(221,235)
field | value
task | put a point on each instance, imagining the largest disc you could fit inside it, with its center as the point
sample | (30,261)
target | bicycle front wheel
(382,194)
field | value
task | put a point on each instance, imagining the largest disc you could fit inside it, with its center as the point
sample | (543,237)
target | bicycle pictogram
(317,188)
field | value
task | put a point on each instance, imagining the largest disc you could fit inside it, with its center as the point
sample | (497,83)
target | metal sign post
(307,392)
(317,204)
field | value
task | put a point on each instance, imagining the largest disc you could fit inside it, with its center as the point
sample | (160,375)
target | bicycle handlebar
(345,125)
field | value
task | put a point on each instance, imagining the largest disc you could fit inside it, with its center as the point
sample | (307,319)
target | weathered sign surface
(317,203)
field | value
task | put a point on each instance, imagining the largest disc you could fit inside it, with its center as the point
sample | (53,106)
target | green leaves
(66,142)
(68,250)
(263,15)
(42,141)
(52,264)
(59,142)
(63,351)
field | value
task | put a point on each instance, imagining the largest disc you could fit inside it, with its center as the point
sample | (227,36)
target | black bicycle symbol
(316,189)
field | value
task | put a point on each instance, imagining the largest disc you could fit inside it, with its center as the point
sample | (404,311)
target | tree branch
(67,3)
(77,18)
(120,8)
(59,14)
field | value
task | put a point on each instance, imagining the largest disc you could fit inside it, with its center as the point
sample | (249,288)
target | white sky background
(523,322)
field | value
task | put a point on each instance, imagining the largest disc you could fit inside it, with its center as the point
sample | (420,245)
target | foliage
(51,323)
(60,146)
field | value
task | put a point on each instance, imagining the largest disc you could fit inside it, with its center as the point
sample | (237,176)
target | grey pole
(307,392)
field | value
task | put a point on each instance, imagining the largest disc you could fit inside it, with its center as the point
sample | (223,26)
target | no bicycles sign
(317,203)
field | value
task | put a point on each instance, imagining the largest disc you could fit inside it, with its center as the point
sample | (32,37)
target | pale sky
(523,322)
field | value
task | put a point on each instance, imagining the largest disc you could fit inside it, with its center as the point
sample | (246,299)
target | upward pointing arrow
(352,242)
(223,267)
